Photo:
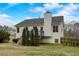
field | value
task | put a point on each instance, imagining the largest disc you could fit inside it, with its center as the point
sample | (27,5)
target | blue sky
(13,13)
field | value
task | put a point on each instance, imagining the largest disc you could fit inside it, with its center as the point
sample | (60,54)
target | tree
(41,33)
(34,37)
(25,36)
(4,36)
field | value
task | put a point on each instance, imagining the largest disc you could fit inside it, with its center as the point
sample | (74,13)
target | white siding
(59,34)
(30,28)
(55,35)
(18,35)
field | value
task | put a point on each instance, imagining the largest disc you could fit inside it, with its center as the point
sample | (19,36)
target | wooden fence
(70,41)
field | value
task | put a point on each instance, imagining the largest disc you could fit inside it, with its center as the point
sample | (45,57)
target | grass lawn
(11,49)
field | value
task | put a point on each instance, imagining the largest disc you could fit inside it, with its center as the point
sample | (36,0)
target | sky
(13,13)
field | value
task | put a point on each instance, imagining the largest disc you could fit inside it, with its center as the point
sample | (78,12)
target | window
(41,28)
(56,40)
(34,27)
(41,31)
(17,30)
(55,28)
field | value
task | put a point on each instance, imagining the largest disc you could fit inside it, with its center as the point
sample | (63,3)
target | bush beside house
(16,40)
(25,36)
(4,36)
(30,37)
(34,37)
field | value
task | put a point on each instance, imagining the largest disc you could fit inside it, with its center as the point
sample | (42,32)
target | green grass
(11,49)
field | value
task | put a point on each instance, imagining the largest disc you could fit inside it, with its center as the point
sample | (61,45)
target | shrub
(27,42)
(4,36)
(15,40)
(41,33)
(25,36)
(34,37)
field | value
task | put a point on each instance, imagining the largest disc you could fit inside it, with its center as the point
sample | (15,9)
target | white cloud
(5,20)
(50,6)
(69,19)
(37,9)
(4,15)
(46,7)
(67,13)
(67,10)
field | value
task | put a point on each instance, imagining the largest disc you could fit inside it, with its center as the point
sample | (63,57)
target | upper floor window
(18,30)
(55,28)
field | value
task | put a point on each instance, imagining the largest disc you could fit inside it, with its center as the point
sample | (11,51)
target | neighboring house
(52,27)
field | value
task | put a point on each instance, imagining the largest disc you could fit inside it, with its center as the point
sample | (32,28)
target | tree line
(71,30)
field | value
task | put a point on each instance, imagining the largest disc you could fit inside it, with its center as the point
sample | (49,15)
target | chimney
(47,23)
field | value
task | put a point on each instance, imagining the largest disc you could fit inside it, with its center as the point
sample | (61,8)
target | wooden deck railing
(70,41)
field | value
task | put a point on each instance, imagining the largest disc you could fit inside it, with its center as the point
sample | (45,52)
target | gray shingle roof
(57,20)
(76,24)
(39,21)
